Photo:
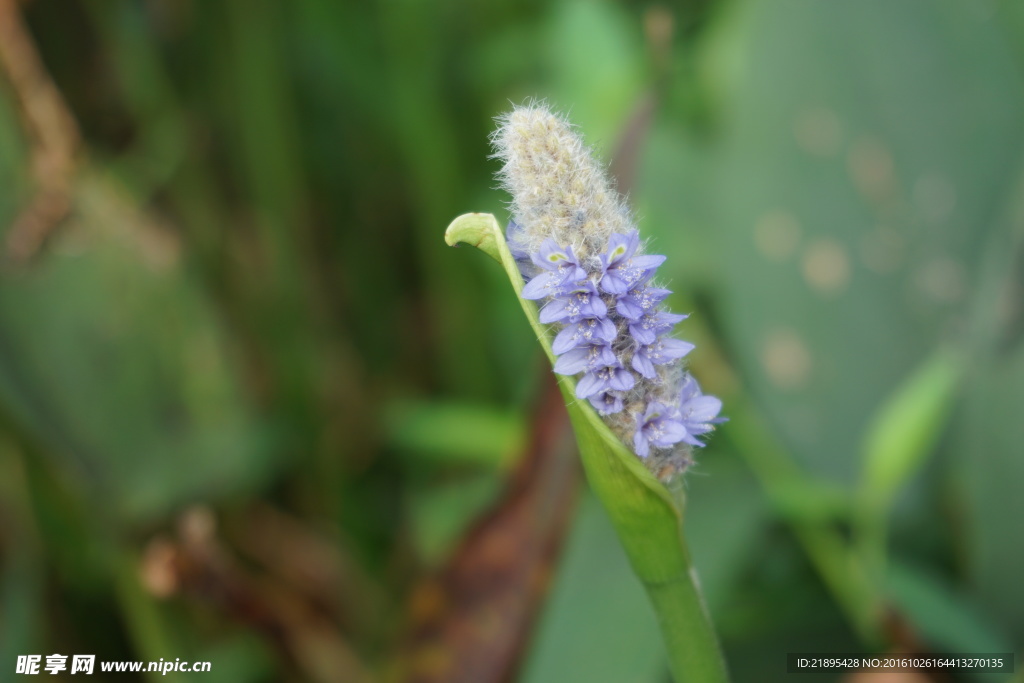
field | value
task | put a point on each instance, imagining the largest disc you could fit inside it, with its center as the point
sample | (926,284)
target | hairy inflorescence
(581,256)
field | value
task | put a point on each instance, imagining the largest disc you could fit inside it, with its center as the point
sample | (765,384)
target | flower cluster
(583,260)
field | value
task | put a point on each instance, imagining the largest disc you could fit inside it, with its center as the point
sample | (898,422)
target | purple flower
(591,331)
(659,427)
(648,328)
(582,333)
(584,264)
(607,403)
(639,301)
(562,271)
(660,352)
(608,378)
(621,270)
(585,359)
(582,302)
(698,413)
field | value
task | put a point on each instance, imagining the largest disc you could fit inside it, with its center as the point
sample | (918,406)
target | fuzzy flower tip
(583,261)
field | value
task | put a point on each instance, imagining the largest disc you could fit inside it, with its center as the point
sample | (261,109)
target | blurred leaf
(146,620)
(673,197)
(441,512)
(242,658)
(946,620)
(112,358)
(22,609)
(826,546)
(812,500)
(597,60)
(990,435)
(22,606)
(986,442)
(725,522)
(161,146)
(907,426)
(471,620)
(455,433)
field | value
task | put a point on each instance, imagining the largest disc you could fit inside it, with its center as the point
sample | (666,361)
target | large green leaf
(854,179)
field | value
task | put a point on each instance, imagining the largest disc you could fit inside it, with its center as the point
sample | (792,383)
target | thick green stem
(693,650)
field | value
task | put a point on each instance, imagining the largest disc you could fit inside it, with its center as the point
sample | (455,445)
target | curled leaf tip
(480,230)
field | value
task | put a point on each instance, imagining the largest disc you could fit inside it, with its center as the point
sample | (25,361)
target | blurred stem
(264,144)
(900,438)
(839,565)
(835,561)
(871,537)
(845,578)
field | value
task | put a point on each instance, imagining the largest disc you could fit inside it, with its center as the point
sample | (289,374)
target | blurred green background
(254,411)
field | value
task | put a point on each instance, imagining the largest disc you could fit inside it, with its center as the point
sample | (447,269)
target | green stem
(844,577)
(871,535)
(693,650)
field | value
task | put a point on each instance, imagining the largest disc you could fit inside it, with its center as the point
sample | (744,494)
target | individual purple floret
(608,378)
(660,352)
(585,359)
(583,301)
(640,301)
(585,332)
(647,329)
(562,271)
(698,413)
(659,427)
(607,403)
(621,269)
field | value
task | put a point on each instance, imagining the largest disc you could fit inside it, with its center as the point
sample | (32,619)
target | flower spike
(576,245)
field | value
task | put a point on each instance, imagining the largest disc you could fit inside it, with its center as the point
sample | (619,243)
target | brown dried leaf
(470,623)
